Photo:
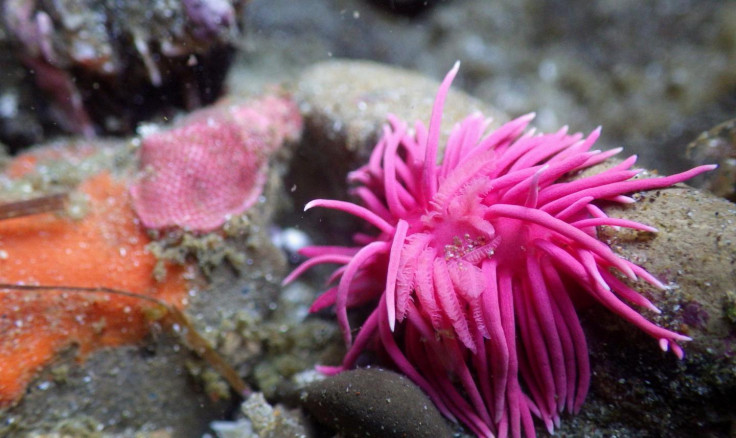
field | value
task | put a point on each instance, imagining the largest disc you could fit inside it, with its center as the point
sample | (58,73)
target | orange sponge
(107,248)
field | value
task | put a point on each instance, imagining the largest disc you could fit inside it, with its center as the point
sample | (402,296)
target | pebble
(372,402)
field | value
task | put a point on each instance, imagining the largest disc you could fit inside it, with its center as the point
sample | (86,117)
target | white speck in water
(3,254)
(147,129)
(232,428)
(547,71)
(356,14)
(43,386)
(290,239)
(8,105)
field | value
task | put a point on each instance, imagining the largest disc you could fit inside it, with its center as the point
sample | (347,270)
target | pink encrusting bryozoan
(473,260)
(212,165)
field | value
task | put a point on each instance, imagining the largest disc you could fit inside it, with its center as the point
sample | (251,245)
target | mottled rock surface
(123,390)
(635,387)
(717,145)
(344,105)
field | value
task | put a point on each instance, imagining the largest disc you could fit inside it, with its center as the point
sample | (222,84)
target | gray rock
(263,420)
(344,104)
(122,390)
(374,402)
(717,145)
(348,101)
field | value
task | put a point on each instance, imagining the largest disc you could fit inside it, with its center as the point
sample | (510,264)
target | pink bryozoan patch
(212,165)
(472,262)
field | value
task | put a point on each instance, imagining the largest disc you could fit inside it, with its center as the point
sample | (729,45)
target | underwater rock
(141,388)
(263,420)
(717,145)
(369,402)
(344,104)
(103,66)
(694,253)
(642,390)
(63,340)
(347,102)
(212,165)
(158,383)
(272,421)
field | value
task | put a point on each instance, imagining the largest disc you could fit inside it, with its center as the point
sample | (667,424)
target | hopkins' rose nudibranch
(472,263)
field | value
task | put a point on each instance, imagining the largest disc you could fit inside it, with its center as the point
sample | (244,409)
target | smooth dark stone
(372,402)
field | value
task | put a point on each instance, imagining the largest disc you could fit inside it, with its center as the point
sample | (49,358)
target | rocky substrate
(264,331)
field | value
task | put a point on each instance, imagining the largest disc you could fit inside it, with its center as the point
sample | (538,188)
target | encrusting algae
(106,248)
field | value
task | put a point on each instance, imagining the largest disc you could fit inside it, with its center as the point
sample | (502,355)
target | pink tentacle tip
(328,370)
(311,204)
(678,351)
